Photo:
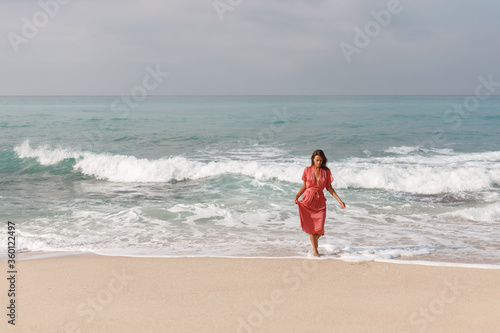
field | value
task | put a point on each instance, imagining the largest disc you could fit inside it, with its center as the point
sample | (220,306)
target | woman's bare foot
(316,254)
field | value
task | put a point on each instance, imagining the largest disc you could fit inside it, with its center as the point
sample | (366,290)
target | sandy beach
(124,294)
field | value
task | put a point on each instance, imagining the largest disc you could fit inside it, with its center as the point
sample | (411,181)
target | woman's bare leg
(317,236)
(314,241)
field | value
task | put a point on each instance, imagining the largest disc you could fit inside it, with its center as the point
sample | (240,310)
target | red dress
(312,207)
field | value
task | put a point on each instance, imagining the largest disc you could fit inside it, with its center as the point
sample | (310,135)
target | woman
(312,207)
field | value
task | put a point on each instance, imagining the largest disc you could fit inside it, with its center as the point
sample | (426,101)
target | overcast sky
(90,47)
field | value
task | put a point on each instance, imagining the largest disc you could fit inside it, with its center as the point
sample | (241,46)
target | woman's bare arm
(335,195)
(302,189)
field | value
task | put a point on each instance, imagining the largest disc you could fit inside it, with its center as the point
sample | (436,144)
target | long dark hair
(319,152)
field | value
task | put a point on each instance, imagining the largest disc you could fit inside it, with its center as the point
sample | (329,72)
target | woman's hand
(342,204)
(302,189)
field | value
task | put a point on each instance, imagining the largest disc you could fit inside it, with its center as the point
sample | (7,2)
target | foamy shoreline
(402,202)
(36,255)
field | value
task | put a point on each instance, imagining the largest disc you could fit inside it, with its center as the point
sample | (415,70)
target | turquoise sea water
(216,176)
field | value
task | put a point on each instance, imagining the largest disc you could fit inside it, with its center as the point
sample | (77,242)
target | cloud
(261,47)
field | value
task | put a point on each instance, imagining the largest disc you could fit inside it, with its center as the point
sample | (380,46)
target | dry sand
(122,294)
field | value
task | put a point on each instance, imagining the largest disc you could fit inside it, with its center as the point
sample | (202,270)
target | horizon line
(240,95)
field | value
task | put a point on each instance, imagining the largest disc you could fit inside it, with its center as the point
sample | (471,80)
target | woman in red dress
(312,207)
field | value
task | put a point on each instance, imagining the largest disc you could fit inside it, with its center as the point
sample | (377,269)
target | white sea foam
(380,253)
(417,178)
(128,169)
(422,174)
(404,150)
(489,213)
(218,230)
(45,154)
(408,173)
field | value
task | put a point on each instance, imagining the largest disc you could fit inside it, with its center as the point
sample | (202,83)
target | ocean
(179,176)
